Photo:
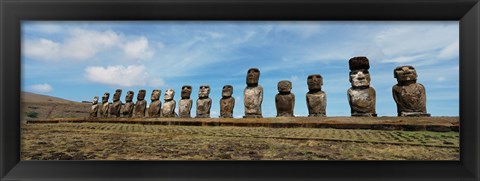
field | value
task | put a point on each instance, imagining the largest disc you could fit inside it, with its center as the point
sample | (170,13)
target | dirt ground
(107,141)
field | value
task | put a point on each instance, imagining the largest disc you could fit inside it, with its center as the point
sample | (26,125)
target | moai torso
(141,104)
(168,109)
(204,103)
(115,107)
(127,109)
(154,110)
(227,103)
(253,95)
(361,96)
(105,105)
(362,101)
(316,98)
(185,104)
(409,95)
(94,108)
(285,100)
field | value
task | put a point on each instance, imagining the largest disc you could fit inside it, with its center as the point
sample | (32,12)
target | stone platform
(439,124)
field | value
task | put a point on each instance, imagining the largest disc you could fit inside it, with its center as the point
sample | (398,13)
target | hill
(43,106)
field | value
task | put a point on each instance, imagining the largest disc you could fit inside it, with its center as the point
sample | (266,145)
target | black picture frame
(12,12)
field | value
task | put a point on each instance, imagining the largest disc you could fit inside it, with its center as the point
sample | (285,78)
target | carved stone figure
(227,103)
(94,108)
(285,100)
(154,110)
(204,103)
(140,105)
(115,108)
(168,109)
(185,104)
(105,105)
(253,95)
(409,95)
(127,109)
(316,98)
(361,96)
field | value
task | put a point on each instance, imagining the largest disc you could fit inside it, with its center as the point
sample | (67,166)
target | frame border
(467,12)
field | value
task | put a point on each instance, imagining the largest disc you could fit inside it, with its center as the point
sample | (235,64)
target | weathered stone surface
(140,105)
(185,104)
(204,103)
(127,109)
(316,98)
(94,108)
(409,95)
(154,110)
(115,108)
(253,95)
(105,105)
(227,103)
(168,109)
(285,100)
(361,96)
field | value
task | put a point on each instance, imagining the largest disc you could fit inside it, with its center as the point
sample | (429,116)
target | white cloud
(133,75)
(451,51)
(138,49)
(406,59)
(40,88)
(84,44)
(42,49)
(156,82)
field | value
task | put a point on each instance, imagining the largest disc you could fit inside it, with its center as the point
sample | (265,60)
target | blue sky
(78,60)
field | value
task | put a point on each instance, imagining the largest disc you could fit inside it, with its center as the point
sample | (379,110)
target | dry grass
(97,141)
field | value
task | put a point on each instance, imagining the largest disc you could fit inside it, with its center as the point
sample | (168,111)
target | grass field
(108,141)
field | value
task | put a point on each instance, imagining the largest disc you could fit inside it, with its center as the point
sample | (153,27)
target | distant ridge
(32,97)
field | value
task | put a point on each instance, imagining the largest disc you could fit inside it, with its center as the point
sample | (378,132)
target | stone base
(253,116)
(202,116)
(364,114)
(185,116)
(226,116)
(317,115)
(413,114)
(285,115)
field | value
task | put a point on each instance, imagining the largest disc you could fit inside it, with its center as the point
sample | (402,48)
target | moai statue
(316,98)
(285,100)
(127,109)
(114,109)
(140,105)
(253,95)
(168,109)
(105,105)
(204,103)
(227,103)
(185,104)
(94,108)
(154,110)
(361,96)
(409,95)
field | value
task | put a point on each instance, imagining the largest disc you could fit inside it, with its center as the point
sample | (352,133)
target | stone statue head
(129,96)
(315,82)
(141,95)
(169,94)
(186,91)
(253,75)
(405,73)
(284,86)
(95,100)
(204,91)
(155,95)
(116,96)
(360,78)
(227,91)
(105,97)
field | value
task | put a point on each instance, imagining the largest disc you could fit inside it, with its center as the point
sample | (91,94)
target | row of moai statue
(409,96)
